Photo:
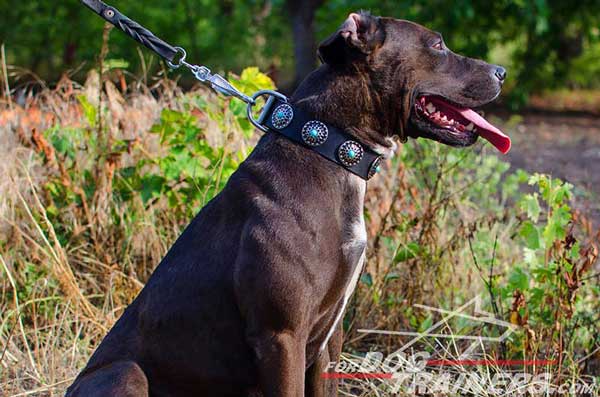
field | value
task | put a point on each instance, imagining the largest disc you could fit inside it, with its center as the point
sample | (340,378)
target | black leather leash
(133,29)
(278,115)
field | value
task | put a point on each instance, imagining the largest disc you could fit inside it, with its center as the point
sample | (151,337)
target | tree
(543,41)
(302,16)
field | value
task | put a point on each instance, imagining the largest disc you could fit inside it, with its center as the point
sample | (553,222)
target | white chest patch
(358,237)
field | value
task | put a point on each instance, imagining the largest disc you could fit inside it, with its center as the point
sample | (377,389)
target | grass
(98,180)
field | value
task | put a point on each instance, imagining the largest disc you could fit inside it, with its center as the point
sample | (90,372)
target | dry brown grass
(58,296)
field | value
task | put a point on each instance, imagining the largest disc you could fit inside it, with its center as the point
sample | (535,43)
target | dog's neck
(303,179)
(345,99)
(348,99)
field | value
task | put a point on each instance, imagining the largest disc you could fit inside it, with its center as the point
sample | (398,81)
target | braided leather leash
(133,29)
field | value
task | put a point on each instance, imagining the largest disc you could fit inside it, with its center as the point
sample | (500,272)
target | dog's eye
(438,46)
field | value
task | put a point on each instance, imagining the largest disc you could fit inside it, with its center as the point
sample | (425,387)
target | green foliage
(49,37)
(545,44)
(548,296)
(189,172)
(542,40)
(463,225)
(188,167)
(407,252)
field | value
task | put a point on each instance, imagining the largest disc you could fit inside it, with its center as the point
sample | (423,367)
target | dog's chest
(354,249)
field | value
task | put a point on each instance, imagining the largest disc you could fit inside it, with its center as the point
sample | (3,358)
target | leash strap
(329,141)
(133,29)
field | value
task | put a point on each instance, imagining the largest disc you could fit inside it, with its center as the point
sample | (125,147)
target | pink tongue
(485,129)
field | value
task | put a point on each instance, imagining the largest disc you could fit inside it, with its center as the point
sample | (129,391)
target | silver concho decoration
(375,168)
(282,116)
(350,153)
(314,133)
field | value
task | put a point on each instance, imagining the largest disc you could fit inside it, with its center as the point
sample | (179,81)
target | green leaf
(110,64)
(562,193)
(518,279)
(557,223)
(89,110)
(426,324)
(391,276)
(531,234)
(367,279)
(152,186)
(574,254)
(547,316)
(238,108)
(530,256)
(537,295)
(254,79)
(542,273)
(376,297)
(127,172)
(407,252)
(63,145)
(530,204)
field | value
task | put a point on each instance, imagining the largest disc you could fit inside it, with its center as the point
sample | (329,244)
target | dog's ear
(358,36)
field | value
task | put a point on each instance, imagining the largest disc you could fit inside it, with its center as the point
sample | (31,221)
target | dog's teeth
(430,108)
(470,127)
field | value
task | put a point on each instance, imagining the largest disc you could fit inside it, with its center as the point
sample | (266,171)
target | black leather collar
(329,141)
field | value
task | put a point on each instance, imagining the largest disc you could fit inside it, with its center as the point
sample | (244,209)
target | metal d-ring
(181,60)
(273,95)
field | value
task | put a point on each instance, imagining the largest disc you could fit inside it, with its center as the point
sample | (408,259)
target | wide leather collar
(329,141)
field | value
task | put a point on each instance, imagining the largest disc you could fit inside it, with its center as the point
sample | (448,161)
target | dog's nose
(500,73)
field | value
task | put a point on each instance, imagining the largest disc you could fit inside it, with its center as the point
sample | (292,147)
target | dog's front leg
(272,285)
(316,384)
(281,362)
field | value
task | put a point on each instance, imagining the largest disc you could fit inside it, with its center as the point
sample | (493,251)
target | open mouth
(458,124)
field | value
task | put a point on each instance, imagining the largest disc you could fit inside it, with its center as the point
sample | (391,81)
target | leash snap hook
(181,61)
(272,97)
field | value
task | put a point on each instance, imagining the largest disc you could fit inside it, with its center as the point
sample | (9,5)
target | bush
(459,224)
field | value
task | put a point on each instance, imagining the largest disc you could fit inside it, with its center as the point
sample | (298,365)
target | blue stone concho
(314,133)
(375,168)
(350,153)
(282,116)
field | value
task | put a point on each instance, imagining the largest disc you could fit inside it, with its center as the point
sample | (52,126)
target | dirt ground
(566,146)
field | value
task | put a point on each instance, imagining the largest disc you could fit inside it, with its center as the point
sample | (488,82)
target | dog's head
(432,89)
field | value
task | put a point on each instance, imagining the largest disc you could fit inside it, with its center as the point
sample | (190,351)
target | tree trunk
(302,15)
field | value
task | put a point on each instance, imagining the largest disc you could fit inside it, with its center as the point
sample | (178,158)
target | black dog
(249,298)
